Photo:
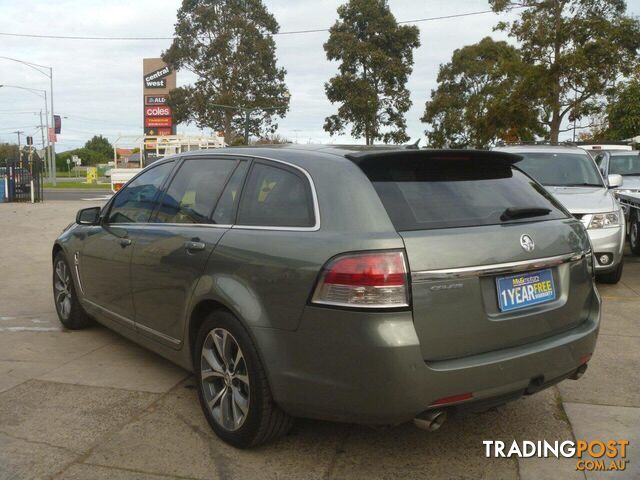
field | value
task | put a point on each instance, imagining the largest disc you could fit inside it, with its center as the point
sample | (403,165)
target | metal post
(53,122)
(50,160)
(42,136)
(19,149)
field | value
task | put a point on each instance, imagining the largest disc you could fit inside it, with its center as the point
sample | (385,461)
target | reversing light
(369,280)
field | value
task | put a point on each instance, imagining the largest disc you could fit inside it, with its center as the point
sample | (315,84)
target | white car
(572,176)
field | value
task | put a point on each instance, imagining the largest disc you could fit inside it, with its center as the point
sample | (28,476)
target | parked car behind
(571,175)
(624,163)
(340,283)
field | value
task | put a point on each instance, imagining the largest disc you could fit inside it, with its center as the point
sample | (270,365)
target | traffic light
(29,141)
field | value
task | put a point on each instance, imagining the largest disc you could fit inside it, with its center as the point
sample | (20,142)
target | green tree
(8,151)
(576,51)
(478,102)
(100,145)
(376,59)
(624,112)
(228,45)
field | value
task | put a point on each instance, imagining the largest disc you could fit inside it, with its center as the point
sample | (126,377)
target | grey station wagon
(340,283)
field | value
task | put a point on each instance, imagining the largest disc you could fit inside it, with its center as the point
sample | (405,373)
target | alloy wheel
(634,233)
(62,287)
(224,379)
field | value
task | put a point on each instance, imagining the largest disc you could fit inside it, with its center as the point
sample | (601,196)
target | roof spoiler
(434,154)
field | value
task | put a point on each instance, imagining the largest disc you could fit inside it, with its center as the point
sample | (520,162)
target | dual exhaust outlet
(432,420)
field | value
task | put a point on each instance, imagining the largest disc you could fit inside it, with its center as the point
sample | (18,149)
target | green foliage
(100,145)
(477,101)
(95,151)
(228,45)
(576,50)
(88,157)
(624,112)
(8,151)
(376,58)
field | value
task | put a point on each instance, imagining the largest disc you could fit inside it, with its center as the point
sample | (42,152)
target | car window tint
(194,191)
(561,169)
(431,194)
(135,202)
(275,197)
(628,165)
(225,209)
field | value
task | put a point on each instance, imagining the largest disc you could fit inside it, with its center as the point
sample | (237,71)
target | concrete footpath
(92,405)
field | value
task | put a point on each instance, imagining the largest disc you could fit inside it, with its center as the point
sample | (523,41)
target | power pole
(19,132)
(43,144)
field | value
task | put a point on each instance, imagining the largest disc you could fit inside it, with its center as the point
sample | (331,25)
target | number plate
(525,289)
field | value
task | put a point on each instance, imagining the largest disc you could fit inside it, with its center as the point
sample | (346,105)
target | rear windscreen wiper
(514,213)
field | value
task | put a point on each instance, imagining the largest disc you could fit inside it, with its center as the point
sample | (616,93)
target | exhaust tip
(579,372)
(431,420)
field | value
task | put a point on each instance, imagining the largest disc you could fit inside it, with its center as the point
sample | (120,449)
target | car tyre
(70,312)
(232,384)
(634,233)
(613,276)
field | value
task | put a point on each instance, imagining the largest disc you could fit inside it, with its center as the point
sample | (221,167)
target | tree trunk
(229,136)
(556,120)
(554,128)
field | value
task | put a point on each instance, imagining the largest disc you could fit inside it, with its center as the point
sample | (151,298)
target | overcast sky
(98,84)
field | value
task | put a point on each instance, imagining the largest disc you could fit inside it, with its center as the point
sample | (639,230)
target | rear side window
(275,197)
(421,194)
(194,191)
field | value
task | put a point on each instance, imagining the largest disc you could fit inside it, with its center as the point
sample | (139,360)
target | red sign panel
(157,111)
(152,131)
(157,122)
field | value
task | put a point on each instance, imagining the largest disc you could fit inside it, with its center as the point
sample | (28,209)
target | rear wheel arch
(201,312)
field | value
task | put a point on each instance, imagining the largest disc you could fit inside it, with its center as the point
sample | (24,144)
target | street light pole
(19,149)
(36,91)
(38,68)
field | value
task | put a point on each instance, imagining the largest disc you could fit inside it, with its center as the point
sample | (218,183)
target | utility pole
(19,132)
(43,144)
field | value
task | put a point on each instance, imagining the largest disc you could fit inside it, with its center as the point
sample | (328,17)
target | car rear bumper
(607,240)
(368,367)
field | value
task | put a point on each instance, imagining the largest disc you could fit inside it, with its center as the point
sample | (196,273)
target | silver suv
(341,283)
(571,175)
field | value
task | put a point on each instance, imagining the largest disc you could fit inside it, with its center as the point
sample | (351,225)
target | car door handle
(124,242)
(194,246)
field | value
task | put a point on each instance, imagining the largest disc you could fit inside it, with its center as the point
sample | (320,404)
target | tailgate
(478,230)
(456,305)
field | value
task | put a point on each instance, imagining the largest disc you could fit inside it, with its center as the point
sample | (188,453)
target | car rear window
(421,194)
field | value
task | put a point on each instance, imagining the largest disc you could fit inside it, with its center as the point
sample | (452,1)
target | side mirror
(88,216)
(614,180)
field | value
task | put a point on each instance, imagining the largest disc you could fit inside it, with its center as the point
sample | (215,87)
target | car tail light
(371,280)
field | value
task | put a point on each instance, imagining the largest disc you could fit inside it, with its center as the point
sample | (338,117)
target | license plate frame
(525,289)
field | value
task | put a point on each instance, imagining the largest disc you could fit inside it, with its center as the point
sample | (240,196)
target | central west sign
(158,80)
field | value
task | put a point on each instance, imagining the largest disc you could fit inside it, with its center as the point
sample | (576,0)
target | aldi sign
(155,100)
